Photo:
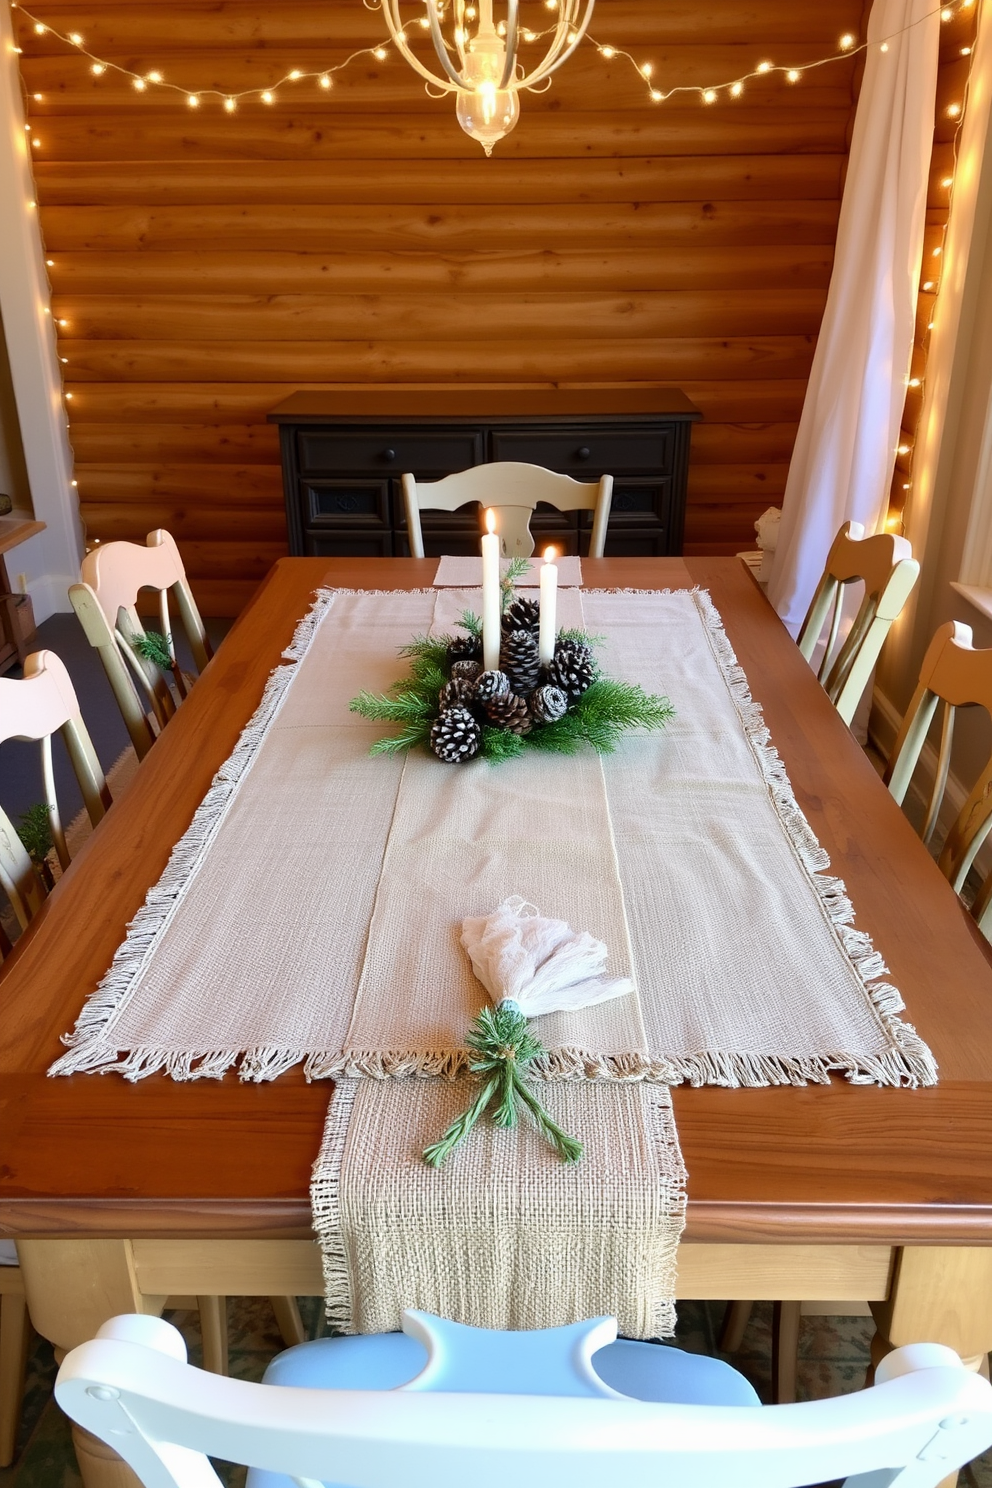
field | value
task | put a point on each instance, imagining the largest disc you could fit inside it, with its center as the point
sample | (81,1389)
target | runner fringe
(325,1201)
(908,1062)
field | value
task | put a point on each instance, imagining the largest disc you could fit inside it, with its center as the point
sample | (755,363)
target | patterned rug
(833,1357)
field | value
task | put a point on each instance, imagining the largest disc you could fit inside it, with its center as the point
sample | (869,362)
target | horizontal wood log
(710,548)
(97,403)
(689,358)
(715,523)
(402,318)
(731,443)
(222,599)
(314,23)
(275,134)
(111,522)
(725,483)
(103,444)
(256,486)
(301,183)
(66,82)
(740,267)
(363,228)
(246,561)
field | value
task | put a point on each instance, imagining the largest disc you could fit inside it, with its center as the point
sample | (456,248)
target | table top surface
(94,1155)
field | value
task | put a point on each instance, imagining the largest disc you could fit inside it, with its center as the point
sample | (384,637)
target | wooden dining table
(121,1195)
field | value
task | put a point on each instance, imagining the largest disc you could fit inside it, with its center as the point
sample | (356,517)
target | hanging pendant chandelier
(479,56)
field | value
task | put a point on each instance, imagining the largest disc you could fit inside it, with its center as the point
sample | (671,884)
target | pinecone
(522,614)
(465,648)
(572,669)
(458,693)
(456,736)
(548,703)
(492,685)
(467,670)
(518,659)
(511,713)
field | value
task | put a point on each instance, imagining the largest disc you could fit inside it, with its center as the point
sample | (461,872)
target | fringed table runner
(312,912)
(454,572)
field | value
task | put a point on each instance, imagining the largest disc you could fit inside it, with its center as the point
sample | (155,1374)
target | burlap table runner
(313,873)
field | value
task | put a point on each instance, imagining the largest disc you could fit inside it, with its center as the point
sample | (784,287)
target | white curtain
(846,447)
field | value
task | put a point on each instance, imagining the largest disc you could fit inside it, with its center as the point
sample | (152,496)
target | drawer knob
(583,452)
(389,454)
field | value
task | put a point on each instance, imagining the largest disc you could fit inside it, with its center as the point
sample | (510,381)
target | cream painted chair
(513,490)
(41,704)
(956,675)
(888,569)
(105,599)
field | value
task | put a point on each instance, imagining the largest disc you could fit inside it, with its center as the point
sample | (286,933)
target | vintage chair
(513,489)
(44,703)
(956,675)
(888,569)
(105,601)
(426,1415)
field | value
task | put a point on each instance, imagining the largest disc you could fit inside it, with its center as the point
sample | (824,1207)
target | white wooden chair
(956,675)
(925,1416)
(41,704)
(105,599)
(888,569)
(513,490)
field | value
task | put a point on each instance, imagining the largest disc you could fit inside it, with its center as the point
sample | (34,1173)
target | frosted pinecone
(491,685)
(456,736)
(572,669)
(458,693)
(548,703)
(468,671)
(518,659)
(522,614)
(465,648)
(511,713)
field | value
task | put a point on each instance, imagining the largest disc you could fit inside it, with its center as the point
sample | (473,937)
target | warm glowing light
(36,142)
(656,96)
(154,77)
(63,322)
(268,97)
(64,361)
(50,262)
(947,181)
(75,38)
(325,81)
(709,96)
(229,105)
(953,110)
(903,449)
(608,51)
(764,67)
(914,382)
(37,97)
(139,84)
(928,285)
(792,76)
(68,395)
(966,51)
(193,101)
(846,42)
(945,14)
(490,520)
(646,69)
(380,54)
(937,252)
(884,47)
(97,69)
(295,74)
(39,29)
(736,90)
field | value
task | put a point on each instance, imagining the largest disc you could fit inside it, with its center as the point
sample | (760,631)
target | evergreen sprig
(35,831)
(515,569)
(503,1045)
(153,646)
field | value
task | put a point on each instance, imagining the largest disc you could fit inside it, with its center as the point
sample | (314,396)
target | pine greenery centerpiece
(451,706)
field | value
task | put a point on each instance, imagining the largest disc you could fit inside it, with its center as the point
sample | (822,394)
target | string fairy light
(708,93)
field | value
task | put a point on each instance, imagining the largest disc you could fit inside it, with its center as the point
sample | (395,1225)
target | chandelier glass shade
(478,54)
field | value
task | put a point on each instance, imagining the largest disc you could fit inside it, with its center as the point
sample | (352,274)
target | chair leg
(213,1329)
(13,1359)
(288,1320)
(785,1351)
(735,1320)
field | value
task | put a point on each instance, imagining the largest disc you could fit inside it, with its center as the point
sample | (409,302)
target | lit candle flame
(550,555)
(490,520)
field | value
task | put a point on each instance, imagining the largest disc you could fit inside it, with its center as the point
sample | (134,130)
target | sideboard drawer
(427,453)
(346,503)
(587,454)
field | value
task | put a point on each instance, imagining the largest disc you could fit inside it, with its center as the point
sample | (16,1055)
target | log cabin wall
(205,265)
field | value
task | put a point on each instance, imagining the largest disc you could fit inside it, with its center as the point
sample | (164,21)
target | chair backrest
(886,565)
(44,703)
(131,1387)
(956,675)
(105,600)
(513,490)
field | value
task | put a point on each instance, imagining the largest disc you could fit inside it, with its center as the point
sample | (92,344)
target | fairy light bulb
(325,81)
(75,38)
(764,67)
(229,105)
(268,97)
(488,112)
(193,101)
(709,96)
(792,76)
(98,69)
(139,84)
(736,90)
(846,42)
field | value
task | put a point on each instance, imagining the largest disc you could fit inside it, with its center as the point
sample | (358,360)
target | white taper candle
(491,609)
(549,606)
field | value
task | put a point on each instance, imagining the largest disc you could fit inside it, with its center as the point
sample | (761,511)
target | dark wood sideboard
(343,454)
